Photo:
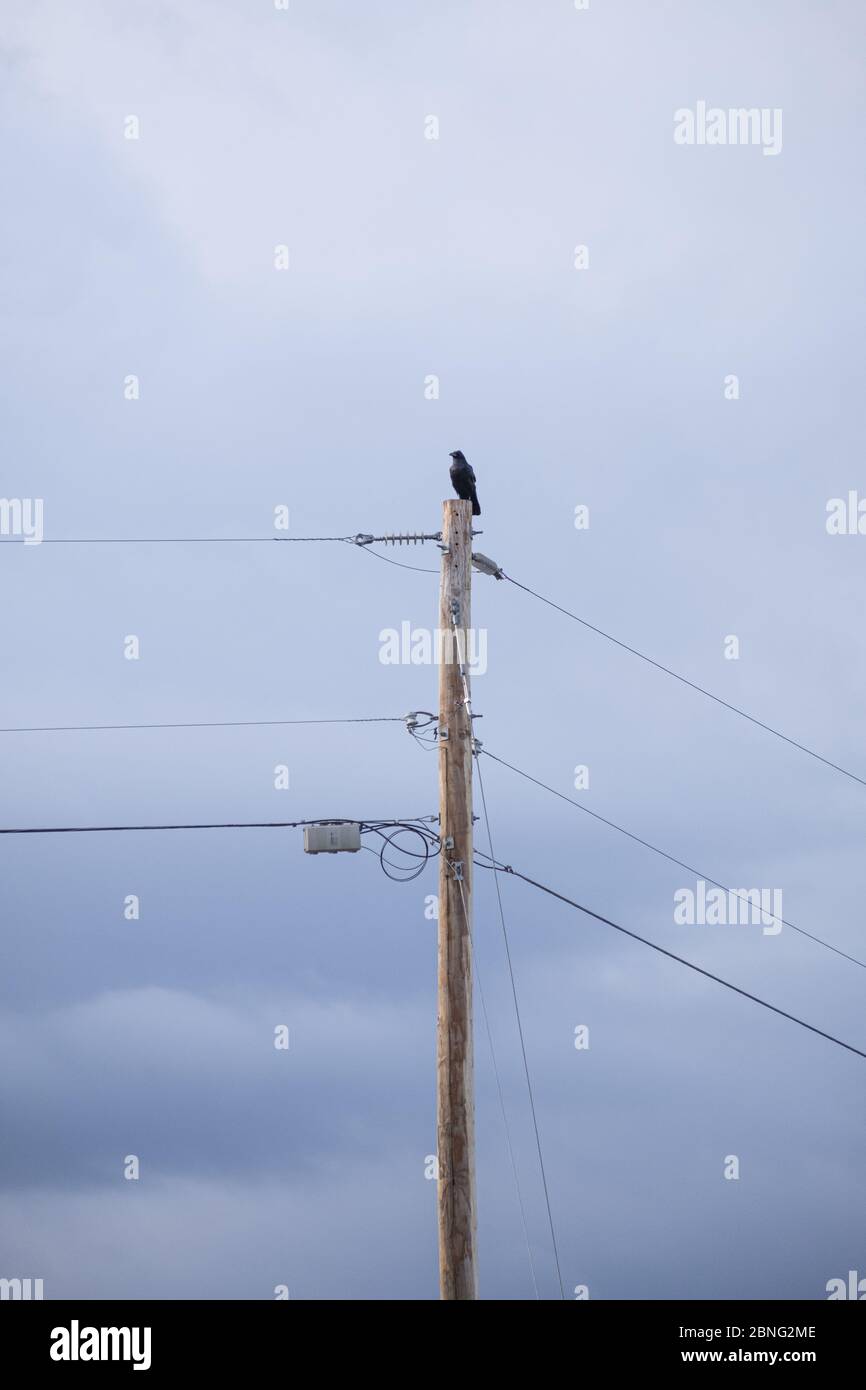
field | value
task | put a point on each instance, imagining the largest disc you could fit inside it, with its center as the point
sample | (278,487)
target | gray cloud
(602,387)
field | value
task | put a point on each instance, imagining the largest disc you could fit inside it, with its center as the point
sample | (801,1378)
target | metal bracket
(457,866)
(396,538)
(485,565)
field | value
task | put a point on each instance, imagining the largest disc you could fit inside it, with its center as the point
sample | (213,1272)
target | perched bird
(463,480)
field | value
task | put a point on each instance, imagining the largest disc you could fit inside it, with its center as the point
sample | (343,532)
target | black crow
(463,481)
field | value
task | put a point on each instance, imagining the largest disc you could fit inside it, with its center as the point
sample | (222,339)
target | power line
(362,540)
(373,826)
(172,540)
(664,854)
(507,869)
(768,728)
(467,701)
(499,1089)
(400,873)
(399,563)
(519,1027)
(432,841)
(104,829)
(200,724)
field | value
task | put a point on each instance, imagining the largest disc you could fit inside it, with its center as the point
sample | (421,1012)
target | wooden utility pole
(455,1094)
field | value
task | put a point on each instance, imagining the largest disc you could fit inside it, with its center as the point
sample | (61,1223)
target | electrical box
(331,839)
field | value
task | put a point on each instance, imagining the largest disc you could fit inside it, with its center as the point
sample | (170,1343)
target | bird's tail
(476,509)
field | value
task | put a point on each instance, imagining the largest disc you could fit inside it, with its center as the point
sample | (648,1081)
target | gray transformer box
(331,839)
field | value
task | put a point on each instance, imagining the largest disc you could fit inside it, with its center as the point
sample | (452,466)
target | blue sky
(412,257)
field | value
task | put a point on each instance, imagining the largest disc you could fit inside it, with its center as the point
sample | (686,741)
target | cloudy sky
(412,258)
